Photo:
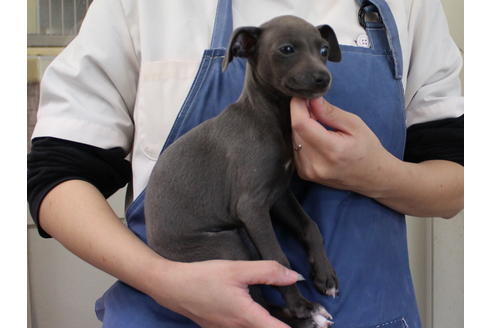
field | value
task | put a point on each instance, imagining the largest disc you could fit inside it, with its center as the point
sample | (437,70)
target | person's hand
(214,294)
(348,157)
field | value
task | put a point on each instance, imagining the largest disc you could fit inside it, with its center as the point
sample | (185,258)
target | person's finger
(266,273)
(299,109)
(333,116)
(308,128)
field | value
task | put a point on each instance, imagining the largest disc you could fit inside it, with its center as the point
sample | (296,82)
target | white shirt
(122,81)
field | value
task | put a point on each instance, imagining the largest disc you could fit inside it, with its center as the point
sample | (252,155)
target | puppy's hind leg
(204,246)
(299,311)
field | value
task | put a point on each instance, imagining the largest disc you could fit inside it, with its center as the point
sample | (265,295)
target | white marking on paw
(320,316)
(321,321)
(324,313)
(331,292)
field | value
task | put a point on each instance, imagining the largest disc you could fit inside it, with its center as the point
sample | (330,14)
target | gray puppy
(212,192)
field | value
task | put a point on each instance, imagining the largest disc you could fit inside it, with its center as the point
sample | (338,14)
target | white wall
(436,260)
(448,273)
(447,249)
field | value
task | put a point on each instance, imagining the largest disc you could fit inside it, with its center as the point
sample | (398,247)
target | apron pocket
(395,323)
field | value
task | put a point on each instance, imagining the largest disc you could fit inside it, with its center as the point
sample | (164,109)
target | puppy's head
(288,54)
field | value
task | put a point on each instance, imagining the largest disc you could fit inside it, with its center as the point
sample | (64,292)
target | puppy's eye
(287,49)
(324,51)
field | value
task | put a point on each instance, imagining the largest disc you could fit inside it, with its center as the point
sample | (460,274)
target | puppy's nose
(321,79)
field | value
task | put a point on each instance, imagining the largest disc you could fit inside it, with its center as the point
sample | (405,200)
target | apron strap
(390,26)
(222,25)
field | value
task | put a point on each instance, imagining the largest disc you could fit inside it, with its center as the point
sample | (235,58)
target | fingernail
(300,277)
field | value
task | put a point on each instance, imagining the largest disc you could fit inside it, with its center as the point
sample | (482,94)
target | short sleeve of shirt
(433,90)
(87,93)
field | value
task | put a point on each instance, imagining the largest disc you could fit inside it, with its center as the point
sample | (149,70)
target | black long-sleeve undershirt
(53,161)
(441,139)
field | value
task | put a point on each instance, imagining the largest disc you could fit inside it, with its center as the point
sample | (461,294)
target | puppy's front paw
(326,280)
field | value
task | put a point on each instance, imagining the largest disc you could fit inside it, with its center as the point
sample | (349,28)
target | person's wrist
(384,180)
(157,275)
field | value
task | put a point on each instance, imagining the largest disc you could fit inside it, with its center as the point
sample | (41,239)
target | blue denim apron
(365,241)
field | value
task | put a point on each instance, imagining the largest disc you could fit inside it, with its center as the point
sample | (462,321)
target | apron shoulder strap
(386,17)
(222,25)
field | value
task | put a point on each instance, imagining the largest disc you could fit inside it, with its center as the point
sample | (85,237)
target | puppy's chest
(270,172)
(274,160)
(261,154)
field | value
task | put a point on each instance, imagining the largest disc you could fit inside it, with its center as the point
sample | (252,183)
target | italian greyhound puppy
(213,192)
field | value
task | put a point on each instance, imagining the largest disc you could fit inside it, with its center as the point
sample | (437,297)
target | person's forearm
(77,215)
(427,189)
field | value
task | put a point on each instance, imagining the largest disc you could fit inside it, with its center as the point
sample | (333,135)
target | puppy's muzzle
(311,84)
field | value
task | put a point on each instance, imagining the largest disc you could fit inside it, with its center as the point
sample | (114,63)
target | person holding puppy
(137,77)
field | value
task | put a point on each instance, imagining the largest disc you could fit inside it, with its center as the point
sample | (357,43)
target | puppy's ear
(242,44)
(329,35)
